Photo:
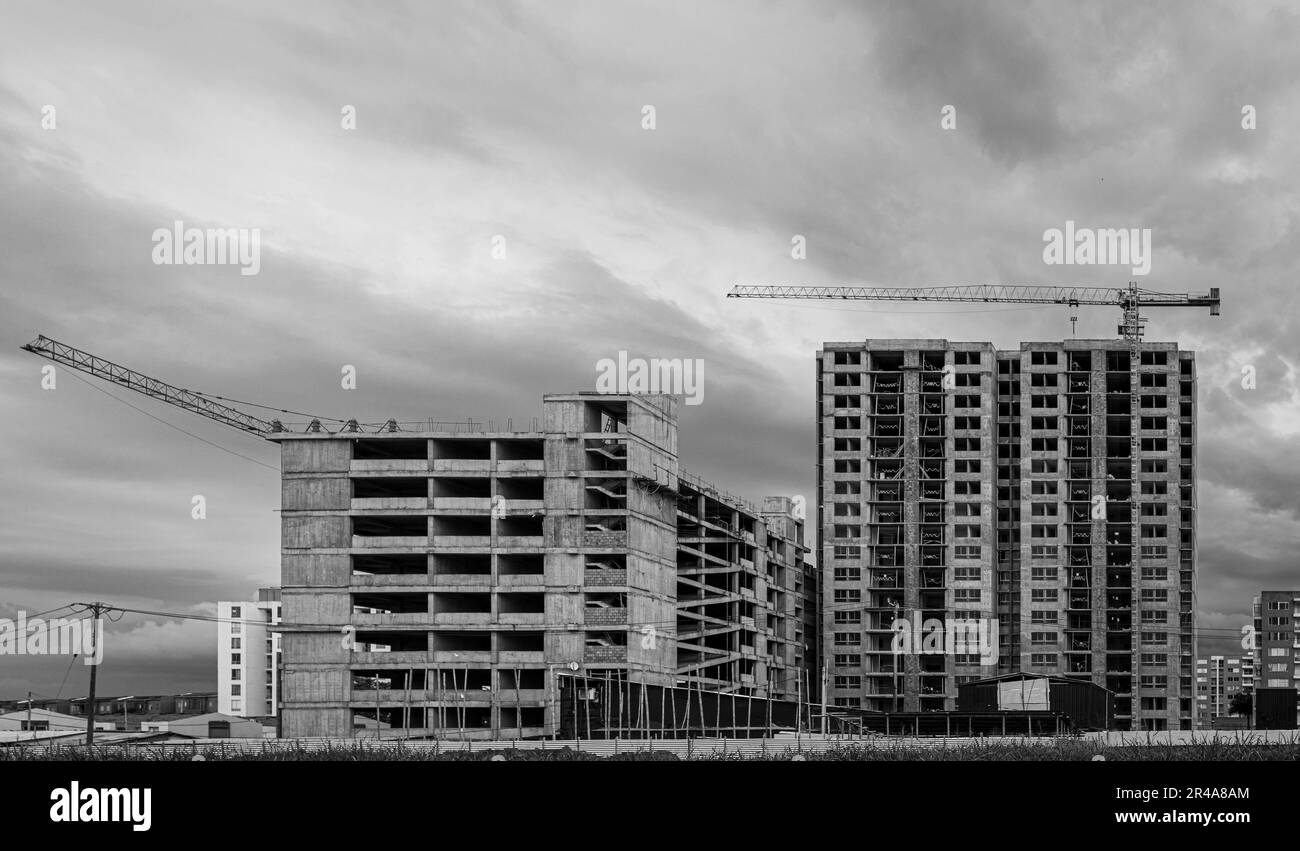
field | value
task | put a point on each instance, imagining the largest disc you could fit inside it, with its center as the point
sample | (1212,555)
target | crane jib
(114,373)
(1130,298)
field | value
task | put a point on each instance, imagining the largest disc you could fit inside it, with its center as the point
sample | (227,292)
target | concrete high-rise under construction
(440,579)
(1051,489)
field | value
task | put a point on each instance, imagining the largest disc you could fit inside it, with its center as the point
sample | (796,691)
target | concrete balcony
(462,503)
(525,506)
(391,503)
(457,543)
(457,657)
(521,618)
(519,541)
(393,580)
(520,657)
(462,618)
(448,581)
(462,465)
(405,657)
(535,581)
(365,698)
(391,465)
(453,696)
(393,542)
(400,619)
(448,696)
(525,466)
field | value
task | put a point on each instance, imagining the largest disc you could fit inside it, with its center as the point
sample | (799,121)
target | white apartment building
(248,656)
(1218,680)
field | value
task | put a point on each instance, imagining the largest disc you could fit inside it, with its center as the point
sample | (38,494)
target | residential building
(189,703)
(37,720)
(1218,680)
(196,702)
(248,656)
(1277,640)
(215,725)
(1050,488)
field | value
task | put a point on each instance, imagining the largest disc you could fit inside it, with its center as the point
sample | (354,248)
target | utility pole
(279,696)
(407,720)
(798,707)
(97,609)
(825,688)
(29,715)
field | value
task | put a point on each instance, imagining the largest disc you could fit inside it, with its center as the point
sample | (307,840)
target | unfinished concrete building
(1051,488)
(793,588)
(436,581)
(743,590)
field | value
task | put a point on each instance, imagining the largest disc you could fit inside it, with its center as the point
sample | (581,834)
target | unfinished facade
(1050,488)
(435,582)
(743,590)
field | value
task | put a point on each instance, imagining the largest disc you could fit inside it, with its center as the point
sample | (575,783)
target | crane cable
(172,425)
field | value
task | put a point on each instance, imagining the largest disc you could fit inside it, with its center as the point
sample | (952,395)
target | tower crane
(1130,299)
(203,404)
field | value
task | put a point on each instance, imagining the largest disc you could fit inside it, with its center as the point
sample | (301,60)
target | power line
(266,407)
(172,425)
(283,627)
(71,662)
(51,611)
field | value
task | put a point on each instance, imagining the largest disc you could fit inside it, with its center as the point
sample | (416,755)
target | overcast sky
(526,121)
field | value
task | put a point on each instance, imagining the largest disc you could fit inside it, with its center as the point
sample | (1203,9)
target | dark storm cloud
(988,61)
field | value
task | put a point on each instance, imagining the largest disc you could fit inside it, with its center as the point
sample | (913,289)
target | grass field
(1056,751)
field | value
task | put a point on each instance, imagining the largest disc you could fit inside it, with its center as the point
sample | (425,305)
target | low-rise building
(35,720)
